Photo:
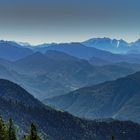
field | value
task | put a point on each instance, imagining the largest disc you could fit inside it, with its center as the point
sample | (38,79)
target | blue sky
(37,21)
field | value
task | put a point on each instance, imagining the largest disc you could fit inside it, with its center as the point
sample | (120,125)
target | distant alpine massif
(114,45)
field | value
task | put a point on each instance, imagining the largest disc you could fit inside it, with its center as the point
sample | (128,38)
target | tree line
(7,131)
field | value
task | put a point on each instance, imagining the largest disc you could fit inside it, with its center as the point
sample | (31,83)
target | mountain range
(13,51)
(55,73)
(62,68)
(112,45)
(97,81)
(87,52)
(18,104)
(117,99)
(107,44)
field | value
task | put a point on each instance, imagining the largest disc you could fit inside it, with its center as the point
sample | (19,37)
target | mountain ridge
(118,99)
(58,124)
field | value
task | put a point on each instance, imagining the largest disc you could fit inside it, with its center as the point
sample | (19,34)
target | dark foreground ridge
(24,109)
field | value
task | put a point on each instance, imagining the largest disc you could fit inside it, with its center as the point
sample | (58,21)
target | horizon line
(30,43)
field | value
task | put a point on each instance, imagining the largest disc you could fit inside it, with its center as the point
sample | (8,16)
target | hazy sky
(37,21)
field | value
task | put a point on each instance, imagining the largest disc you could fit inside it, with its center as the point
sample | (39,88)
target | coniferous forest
(8,131)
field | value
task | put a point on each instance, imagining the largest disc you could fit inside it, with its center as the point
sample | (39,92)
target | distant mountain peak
(25,44)
(105,39)
(111,45)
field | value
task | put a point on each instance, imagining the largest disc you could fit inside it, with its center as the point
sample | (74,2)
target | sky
(40,21)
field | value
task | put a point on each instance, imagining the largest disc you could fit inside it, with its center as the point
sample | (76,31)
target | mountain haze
(55,73)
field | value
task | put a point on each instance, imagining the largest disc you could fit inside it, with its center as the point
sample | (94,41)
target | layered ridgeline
(18,104)
(55,73)
(118,99)
(61,69)
(95,53)
(107,44)
(95,47)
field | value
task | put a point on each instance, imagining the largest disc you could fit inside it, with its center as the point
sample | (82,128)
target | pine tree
(3,130)
(25,138)
(11,131)
(113,138)
(32,134)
